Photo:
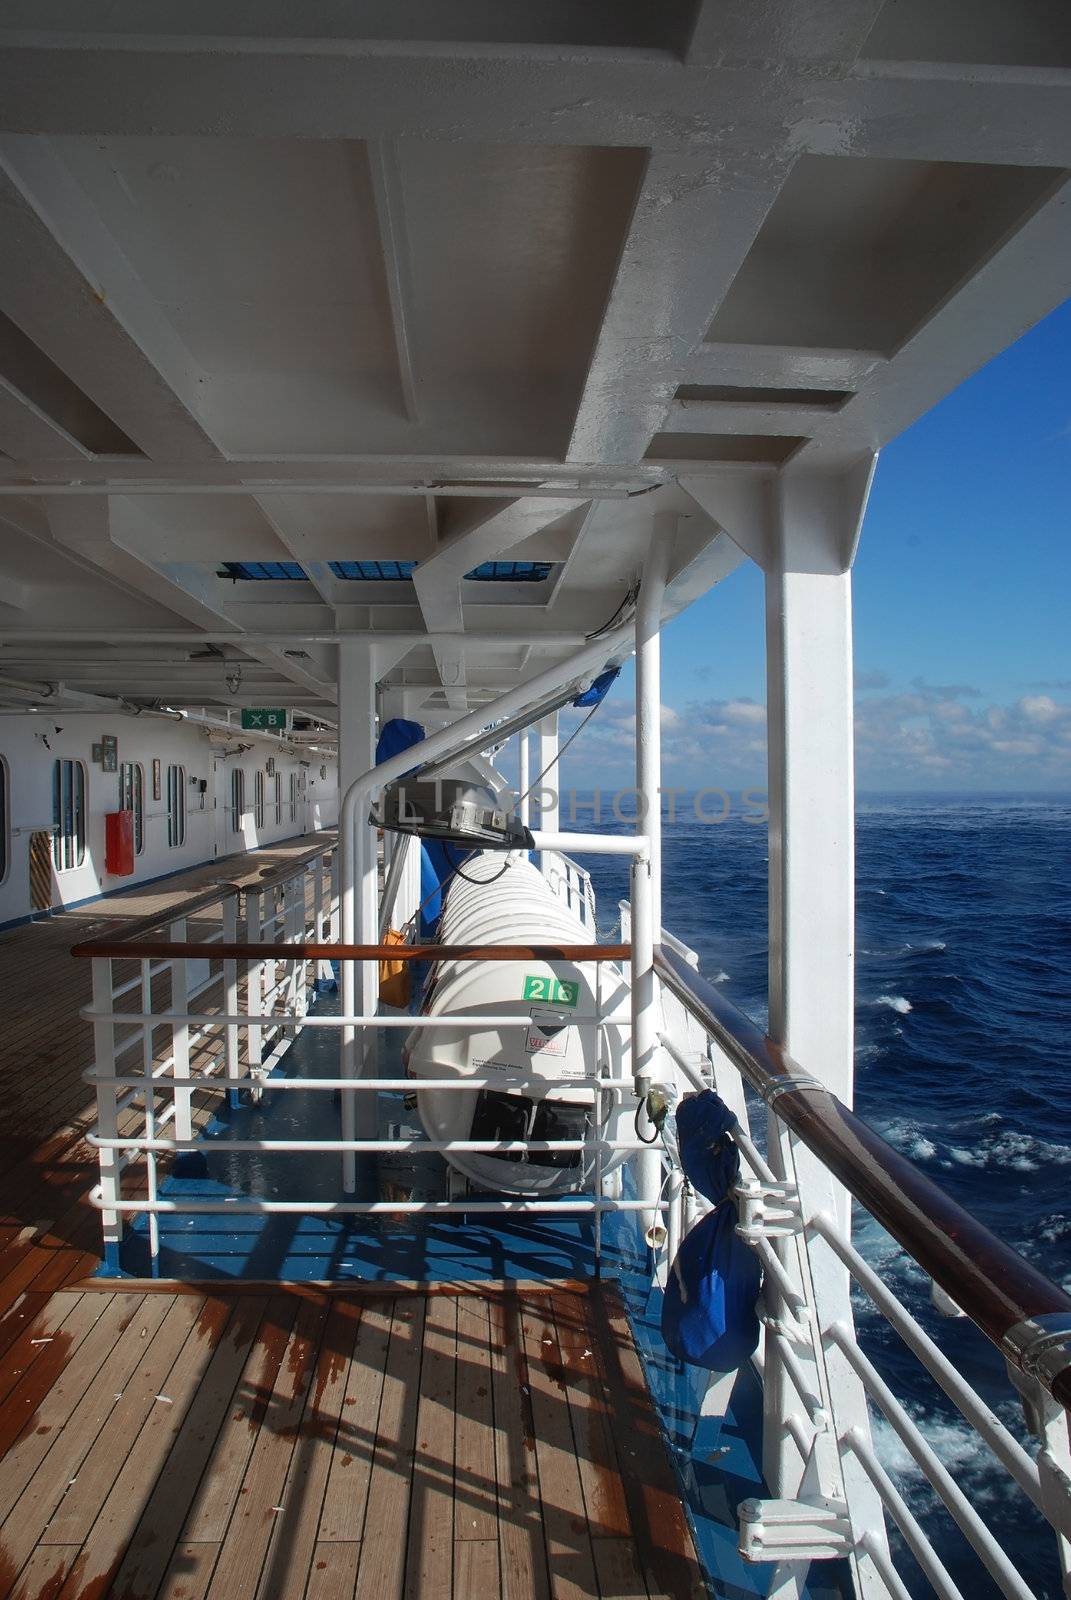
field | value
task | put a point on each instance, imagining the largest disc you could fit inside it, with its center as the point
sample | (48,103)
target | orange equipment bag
(395,988)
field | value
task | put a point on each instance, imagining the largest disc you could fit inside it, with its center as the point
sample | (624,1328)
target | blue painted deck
(717,1469)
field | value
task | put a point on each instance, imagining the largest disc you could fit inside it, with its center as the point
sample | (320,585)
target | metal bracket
(767,1210)
(789,1085)
(1041,1346)
(794,1530)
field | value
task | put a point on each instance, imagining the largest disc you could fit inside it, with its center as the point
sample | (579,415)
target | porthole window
(176,806)
(68,815)
(132,798)
(237,799)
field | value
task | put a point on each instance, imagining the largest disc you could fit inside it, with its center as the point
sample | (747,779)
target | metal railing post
(180,1034)
(254,981)
(151,1185)
(107,1112)
(230,998)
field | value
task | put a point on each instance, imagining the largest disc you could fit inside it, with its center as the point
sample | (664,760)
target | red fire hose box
(119,843)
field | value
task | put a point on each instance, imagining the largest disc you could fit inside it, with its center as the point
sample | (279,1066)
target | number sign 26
(551,990)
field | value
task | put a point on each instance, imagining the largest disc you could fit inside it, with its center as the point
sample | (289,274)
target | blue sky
(962,608)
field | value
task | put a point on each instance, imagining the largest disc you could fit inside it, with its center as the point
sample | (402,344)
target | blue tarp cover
(708,1310)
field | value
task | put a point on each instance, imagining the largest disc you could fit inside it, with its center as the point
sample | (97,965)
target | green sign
(552,991)
(263,720)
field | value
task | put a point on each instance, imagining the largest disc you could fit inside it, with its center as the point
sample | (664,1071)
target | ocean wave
(1022,1152)
(894,1002)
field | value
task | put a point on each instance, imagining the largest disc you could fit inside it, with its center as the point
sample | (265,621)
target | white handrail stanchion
(151,1186)
(230,992)
(180,1034)
(254,981)
(107,1112)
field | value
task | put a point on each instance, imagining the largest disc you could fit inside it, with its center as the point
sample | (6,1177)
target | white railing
(572,884)
(789,1215)
(145,1116)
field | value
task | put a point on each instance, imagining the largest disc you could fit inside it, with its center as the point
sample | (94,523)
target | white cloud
(920,735)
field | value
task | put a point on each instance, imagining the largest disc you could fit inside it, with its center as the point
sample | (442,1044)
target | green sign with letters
(261,719)
(552,991)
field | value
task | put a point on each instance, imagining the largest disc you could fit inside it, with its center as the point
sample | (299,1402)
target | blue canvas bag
(709,1316)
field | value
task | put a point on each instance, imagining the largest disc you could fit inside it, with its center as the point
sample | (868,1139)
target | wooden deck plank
(74,1517)
(569,1557)
(189,1571)
(141,1521)
(29,1418)
(476,1500)
(429,1560)
(476,1569)
(216,1496)
(260,1500)
(293,1539)
(334,1571)
(381,1572)
(60,1470)
(657,1521)
(618,1570)
(42,1576)
(596,1453)
(345,1498)
(522,1545)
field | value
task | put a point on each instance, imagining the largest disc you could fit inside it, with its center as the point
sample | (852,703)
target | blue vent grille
(262,570)
(386,571)
(511,572)
(373,571)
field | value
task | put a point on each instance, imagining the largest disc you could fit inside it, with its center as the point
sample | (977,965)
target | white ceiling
(446,282)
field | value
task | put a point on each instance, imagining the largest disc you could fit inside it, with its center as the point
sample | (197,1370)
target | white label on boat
(548,1034)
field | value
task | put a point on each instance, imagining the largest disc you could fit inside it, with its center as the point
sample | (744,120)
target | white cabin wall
(29,764)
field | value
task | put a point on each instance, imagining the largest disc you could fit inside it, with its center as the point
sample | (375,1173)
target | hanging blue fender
(708,1310)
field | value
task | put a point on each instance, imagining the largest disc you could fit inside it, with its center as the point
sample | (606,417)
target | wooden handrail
(992,1283)
(358,952)
(212,896)
(291,866)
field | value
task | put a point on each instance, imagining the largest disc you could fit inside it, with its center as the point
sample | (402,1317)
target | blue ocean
(964,1018)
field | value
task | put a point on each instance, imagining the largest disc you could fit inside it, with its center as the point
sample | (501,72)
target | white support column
(646,882)
(802,528)
(360,988)
(546,794)
(524,749)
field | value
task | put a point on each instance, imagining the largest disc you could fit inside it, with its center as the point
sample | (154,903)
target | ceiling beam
(61,275)
(394,244)
(636,98)
(94,529)
(695,220)
(471,533)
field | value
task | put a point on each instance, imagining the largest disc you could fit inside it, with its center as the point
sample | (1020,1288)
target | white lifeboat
(542,1069)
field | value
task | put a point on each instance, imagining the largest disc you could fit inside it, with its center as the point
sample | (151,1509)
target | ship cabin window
(5,815)
(237,799)
(293,797)
(176,806)
(258,798)
(132,798)
(278,797)
(68,814)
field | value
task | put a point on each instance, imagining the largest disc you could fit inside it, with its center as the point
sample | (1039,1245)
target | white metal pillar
(550,776)
(360,981)
(802,529)
(524,804)
(646,882)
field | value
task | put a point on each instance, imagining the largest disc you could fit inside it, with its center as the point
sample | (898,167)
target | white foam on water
(1020,1152)
(894,1002)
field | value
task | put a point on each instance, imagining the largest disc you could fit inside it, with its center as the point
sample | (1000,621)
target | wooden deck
(482,1441)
